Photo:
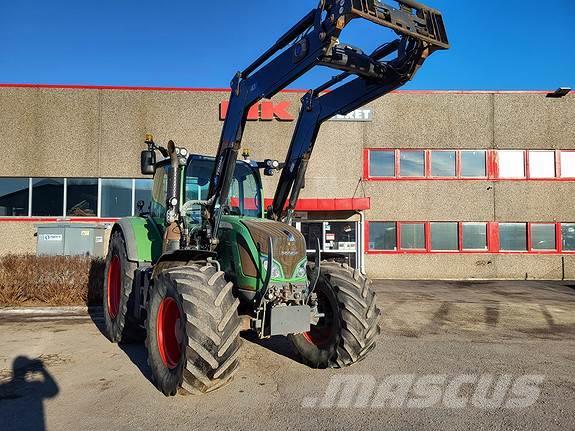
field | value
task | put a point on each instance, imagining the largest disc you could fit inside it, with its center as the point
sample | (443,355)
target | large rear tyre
(193,330)
(121,327)
(350,326)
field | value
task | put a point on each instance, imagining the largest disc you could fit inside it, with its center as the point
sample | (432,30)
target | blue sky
(497,45)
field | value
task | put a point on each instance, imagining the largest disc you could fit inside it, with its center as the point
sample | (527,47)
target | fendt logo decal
(263,111)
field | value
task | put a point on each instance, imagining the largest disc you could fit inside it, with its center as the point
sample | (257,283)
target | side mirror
(148,162)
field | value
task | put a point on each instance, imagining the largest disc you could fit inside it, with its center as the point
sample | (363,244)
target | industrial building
(417,185)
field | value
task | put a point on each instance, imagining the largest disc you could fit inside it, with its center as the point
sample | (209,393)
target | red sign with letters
(263,111)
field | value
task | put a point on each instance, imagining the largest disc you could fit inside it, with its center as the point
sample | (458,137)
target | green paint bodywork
(143,237)
(232,232)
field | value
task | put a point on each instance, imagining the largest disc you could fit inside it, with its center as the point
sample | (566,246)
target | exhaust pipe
(173,232)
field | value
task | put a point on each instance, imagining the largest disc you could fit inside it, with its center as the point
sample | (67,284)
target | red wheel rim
(322,334)
(169,333)
(319,336)
(114,286)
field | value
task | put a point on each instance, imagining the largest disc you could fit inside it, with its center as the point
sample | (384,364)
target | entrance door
(334,236)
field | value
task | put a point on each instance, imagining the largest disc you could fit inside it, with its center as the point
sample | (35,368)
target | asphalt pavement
(452,355)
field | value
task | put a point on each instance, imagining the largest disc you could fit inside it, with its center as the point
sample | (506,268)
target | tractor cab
(245,198)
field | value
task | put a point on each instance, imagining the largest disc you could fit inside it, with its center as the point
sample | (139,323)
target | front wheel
(350,325)
(193,330)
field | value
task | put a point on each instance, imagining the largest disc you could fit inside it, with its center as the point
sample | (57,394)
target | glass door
(337,237)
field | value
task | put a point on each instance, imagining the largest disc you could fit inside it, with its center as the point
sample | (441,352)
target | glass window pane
(543,236)
(568,164)
(82,197)
(542,164)
(382,236)
(443,163)
(444,236)
(513,236)
(48,197)
(160,191)
(412,163)
(143,193)
(511,164)
(473,164)
(413,236)
(474,236)
(568,236)
(381,163)
(13,197)
(312,232)
(116,198)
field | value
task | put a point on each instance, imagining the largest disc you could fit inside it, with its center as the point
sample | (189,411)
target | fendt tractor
(206,260)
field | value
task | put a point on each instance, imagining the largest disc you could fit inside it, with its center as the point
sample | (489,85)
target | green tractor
(207,260)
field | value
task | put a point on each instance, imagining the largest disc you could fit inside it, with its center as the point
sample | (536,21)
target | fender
(142,236)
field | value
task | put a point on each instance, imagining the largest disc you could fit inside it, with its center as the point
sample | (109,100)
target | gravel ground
(60,372)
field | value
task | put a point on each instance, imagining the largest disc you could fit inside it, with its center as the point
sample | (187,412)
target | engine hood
(288,243)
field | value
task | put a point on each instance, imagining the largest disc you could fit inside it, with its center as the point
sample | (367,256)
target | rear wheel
(118,283)
(350,325)
(192,330)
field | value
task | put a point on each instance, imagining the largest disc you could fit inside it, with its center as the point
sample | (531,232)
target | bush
(50,280)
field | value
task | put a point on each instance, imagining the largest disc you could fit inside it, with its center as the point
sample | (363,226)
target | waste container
(70,239)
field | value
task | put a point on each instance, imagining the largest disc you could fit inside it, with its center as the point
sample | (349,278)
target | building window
(542,164)
(412,236)
(513,236)
(312,232)
(444,236)
(382,236)
(473,164)
(474,236)
(567,164)
(116,198)
(14,196)
(511,164)
(568,236)
(543,236)
(48,197)
(382,163)
(412,163)
(143,193)
(443,164)
(82,197)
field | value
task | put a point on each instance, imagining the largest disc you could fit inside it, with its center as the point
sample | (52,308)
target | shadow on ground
(23,393)
(278,344)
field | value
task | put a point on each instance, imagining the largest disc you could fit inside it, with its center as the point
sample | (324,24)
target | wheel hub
(322,334)
(170,334)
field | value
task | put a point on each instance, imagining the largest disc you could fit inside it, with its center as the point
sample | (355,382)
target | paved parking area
(61,373)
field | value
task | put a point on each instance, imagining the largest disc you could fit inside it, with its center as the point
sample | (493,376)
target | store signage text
(264,111)
(357,115)
(280,111)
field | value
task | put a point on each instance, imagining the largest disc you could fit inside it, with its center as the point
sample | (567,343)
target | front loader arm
(313,41)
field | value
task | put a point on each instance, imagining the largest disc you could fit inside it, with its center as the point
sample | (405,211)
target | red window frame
(488,164)
(528,164)
(525,165)
(425,163)
(558,239)
(492,165)
(429,164)
(559,233)
(558,169)
(426,242)
(493,243)
(367,164)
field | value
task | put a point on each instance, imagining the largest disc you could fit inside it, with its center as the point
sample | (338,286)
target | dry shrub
(50,280)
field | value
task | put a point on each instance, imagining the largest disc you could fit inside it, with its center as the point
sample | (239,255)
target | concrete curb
(50,313)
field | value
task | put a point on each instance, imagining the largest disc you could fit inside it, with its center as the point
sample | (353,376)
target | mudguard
(143,238)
